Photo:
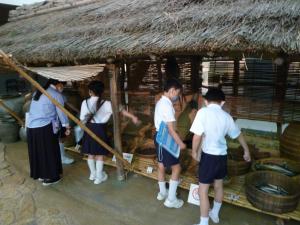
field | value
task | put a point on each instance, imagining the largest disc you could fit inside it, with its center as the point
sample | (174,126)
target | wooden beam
(14,66)
(12,113)
(196,78)
(113,75)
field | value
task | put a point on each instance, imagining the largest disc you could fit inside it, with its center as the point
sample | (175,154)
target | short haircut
(172,83)
(215,95)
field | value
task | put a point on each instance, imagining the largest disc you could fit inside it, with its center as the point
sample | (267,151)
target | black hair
(172,83)
(215,95)
(38,93)
(97,87)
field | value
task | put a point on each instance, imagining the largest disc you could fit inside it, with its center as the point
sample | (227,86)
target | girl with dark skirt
(42,127)
(95,113)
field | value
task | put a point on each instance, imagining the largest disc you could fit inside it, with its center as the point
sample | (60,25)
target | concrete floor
(118,203)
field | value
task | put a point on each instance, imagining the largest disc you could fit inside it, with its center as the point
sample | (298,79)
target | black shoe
(48,182)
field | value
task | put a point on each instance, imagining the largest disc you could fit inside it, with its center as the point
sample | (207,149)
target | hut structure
(249,48)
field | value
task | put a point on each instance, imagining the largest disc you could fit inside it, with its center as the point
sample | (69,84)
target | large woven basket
(290,142)
(271,202)
(293,165)
(236,165)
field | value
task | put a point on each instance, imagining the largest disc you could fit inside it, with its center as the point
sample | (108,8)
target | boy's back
(215,124)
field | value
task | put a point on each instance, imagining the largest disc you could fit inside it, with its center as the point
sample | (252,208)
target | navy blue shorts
(212,167)
(164,156)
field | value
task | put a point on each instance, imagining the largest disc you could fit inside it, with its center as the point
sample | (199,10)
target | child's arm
(175,135)
(243,143)
(134,119)
(196,150)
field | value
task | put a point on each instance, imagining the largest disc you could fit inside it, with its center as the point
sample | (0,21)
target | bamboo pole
(12,113)
(12,64)
(114,71)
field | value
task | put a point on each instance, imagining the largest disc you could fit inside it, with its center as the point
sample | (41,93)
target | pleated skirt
(89,145)
(44,153)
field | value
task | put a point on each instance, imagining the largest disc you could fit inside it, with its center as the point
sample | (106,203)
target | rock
(14,180)
(5,173)
(7,217)
(26,208)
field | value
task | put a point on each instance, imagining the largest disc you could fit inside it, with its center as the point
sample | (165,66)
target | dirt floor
(76,200)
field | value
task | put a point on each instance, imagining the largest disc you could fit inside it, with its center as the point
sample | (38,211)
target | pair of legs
(95,164)
(204,201)
(64,159)
(171,201)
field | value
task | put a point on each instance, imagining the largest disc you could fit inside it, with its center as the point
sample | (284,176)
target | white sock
(172,190)
(162,187)
(204,220)
(62,150)
(99,168)
(92,166)
(216,208)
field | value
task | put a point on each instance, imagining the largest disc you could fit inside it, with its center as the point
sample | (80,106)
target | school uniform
(164,111)
(213,123)
(43,146)
(97,125)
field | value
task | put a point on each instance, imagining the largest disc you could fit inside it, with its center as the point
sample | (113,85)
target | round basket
(290,141)
(147,150)
(236,165)
(284,163)
(272,202)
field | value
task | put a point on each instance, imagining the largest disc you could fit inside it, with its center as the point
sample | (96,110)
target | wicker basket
(271,202)
(293,165)
(290,142)
(236,165)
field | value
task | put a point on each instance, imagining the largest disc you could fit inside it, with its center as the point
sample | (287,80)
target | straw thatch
(133,28)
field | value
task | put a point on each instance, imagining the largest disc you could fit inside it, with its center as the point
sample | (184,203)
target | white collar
(165,97)
(214,105)
(53,86)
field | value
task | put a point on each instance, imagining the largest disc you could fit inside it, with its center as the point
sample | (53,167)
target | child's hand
(135,120)
(247,156)
(196,156)
(182,146)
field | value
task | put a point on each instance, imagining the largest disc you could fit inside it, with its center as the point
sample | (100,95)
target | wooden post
(113,76)
(196,79)
(280,88)
(21,72)
(236,78)
(12,113)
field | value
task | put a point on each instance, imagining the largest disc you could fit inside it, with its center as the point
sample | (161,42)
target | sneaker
(48,182)
(66,160)
(92,176)
(176,203)
(101,179)
(213,217)
(40,179)
(161,196)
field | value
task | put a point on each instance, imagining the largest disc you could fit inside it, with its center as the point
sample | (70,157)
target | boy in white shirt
(210,127)
(165,112)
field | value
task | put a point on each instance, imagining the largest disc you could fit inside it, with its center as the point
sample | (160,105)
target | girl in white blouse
(95,113)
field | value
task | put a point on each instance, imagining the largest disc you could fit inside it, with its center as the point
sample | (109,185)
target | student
(42,128)
(95,113)
(164,111)
(210,127)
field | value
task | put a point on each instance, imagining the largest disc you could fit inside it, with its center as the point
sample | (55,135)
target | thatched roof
(132,28)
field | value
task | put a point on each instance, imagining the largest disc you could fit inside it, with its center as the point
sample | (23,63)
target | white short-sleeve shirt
(164,111)
(102,115)
(214,124)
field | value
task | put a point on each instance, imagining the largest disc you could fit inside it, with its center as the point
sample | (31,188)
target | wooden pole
(12,113)
(13,65)
(113,75)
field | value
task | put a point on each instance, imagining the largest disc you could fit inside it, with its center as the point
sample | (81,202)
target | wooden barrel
(9,131)
(272,202)
(14,102)
(291,165)
(236,165)
(290,141)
